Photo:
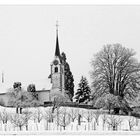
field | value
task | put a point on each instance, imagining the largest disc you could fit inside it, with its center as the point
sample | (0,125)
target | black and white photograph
(69,69)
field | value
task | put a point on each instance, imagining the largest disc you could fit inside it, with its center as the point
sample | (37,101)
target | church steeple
(57,50)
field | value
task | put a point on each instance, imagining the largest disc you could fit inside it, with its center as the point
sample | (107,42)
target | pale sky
(27,38)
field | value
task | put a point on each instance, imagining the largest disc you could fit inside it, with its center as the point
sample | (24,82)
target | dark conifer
(83,92)
(69,80)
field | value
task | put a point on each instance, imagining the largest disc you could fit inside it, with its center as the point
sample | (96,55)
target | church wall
(4,99)
(43,96)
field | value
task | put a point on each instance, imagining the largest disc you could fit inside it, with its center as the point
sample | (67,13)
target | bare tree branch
(116,71)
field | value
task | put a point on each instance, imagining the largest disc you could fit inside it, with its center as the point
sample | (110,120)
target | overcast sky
(28,35)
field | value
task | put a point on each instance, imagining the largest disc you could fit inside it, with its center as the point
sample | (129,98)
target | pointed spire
(57,50)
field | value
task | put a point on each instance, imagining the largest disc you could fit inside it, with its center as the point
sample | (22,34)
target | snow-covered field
(64,119)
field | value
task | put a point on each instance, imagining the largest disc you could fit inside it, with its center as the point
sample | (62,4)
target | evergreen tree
(31,88)
(17,85)
(83,92)
(69,80)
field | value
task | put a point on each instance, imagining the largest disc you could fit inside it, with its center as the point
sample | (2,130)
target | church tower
(57,70)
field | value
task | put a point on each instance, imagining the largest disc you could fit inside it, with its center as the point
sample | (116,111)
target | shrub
(110,101)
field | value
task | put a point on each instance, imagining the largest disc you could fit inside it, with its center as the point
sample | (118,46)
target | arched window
(56,69)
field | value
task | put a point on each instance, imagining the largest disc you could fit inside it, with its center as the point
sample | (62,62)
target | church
(56,77)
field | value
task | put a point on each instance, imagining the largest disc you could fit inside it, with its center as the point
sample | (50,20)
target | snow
(45,127)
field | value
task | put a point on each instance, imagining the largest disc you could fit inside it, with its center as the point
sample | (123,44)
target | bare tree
(137,121)
(73,114)
(38,115)
(89,115)
(114,122)
(116,71)
(104,118)
(131,123)
(57,103)
(49,117)
(18,120)
(64,119)
(4,117)
(79,117)
(57,113)
(96,117)
(27,116)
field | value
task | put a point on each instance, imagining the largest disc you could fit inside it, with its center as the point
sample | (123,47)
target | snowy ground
(64,120)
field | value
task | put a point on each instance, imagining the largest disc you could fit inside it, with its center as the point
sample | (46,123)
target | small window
(56,69)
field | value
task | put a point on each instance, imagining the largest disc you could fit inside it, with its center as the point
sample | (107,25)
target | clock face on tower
(55,62)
